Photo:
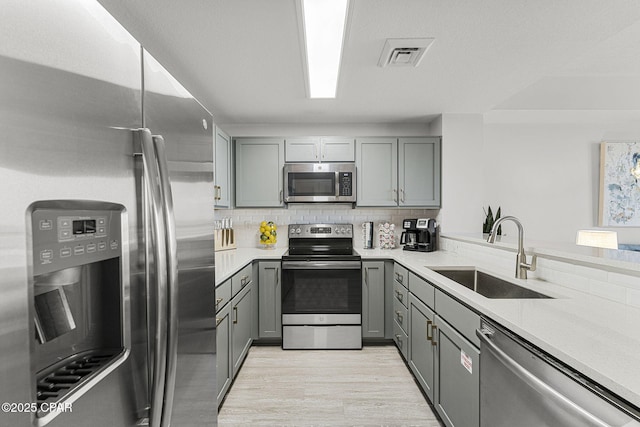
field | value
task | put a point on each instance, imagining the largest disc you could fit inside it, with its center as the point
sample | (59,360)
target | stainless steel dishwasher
(520,386)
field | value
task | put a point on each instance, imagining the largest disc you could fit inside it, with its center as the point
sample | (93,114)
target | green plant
(489,220)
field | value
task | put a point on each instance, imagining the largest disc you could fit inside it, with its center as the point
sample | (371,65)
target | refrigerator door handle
(158,240)
(171,248)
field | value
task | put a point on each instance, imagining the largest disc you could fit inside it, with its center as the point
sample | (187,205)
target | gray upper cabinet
(259,163)
(373,299)
(419,172)
(270,301)
(377,171)
(398,172)
(319,149)
(222,195)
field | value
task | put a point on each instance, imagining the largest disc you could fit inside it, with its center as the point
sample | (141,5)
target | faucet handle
(533,265)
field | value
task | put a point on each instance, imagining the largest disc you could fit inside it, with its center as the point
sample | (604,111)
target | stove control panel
(320,230)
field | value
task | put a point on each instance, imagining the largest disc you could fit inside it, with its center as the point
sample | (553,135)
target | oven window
(321,292)
(312,183)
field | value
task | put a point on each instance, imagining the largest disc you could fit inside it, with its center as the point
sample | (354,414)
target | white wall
(462,173)
(545,170)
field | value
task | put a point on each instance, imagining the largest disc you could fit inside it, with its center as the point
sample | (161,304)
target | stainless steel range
(321,288)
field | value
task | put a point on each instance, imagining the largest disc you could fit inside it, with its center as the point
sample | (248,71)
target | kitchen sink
(488,285)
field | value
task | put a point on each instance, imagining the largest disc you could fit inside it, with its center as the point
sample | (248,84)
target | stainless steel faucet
(521,258)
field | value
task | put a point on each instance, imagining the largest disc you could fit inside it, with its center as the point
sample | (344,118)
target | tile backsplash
(246,221)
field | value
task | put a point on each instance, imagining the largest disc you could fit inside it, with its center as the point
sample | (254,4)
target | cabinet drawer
(457,315)
(400,314)
(241,279)
(223,294)
(400,338)
(422,289)
(400,293)
(400,274)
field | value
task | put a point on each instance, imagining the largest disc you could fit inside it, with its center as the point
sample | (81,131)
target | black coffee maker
(419,235)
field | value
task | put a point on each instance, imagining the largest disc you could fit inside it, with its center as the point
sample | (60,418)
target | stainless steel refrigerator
(106,233)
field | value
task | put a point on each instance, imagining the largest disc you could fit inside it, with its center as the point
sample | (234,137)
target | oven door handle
(321,265)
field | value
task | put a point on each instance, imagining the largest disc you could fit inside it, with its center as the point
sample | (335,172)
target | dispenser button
(78,250)
(46,224)
(91,247)
(64,234)
(114,245)
(102,246)
(46,254)
(65,252)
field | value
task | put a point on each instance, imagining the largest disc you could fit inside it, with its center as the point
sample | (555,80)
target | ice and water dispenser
(80,291)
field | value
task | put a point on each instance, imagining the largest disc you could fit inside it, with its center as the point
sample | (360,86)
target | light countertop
(598,337)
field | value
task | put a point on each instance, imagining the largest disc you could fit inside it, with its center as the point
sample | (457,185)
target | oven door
(321,292)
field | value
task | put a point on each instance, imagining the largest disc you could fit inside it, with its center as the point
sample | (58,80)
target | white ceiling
(243,58)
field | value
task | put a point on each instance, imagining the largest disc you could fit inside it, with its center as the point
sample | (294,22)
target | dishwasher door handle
(536,383)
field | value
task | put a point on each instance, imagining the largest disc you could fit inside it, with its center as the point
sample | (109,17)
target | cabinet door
(241,319)
(302,150)
(337,149)
(377,171)
(419,172)
(373,299)
(259,164)
(270,302)
(223,169)
(457,385)
(223,347)
(421,353)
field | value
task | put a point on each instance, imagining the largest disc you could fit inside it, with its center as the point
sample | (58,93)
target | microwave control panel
(345,183)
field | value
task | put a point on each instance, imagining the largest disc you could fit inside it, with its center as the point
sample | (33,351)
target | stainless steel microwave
(319,182)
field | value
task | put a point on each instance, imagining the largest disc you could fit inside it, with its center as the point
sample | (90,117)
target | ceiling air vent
(404,52)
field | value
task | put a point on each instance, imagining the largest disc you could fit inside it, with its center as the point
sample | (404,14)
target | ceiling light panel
(324,27)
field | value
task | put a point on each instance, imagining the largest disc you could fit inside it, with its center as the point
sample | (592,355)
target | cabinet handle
(399,278)
(322,149)
(235,315)
(399,295)
(399,316)
(277,276)
(315,151)
(366,276)
(429,323)
(218,321)
(218,301)
(395,195)
(434,330)
(399,340)
(244,280)
(402,195)
(280,196)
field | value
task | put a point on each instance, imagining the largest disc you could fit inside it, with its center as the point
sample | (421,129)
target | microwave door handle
(538,384)
(171,253)
(157,233)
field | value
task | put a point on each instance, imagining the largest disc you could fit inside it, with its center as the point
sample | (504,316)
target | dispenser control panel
(67,238)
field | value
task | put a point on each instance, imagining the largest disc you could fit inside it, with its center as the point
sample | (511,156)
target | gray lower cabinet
(241,322)
(373,299)
(456,394)
(259,177)
(422,351)
(269,299)
(224,373)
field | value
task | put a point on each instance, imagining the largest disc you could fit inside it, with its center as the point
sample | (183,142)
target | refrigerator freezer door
(187,131)
(70,90)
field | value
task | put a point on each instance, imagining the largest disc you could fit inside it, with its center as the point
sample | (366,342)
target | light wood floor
(369,387)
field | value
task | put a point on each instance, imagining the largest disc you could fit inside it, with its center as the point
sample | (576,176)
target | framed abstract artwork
(619,184)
